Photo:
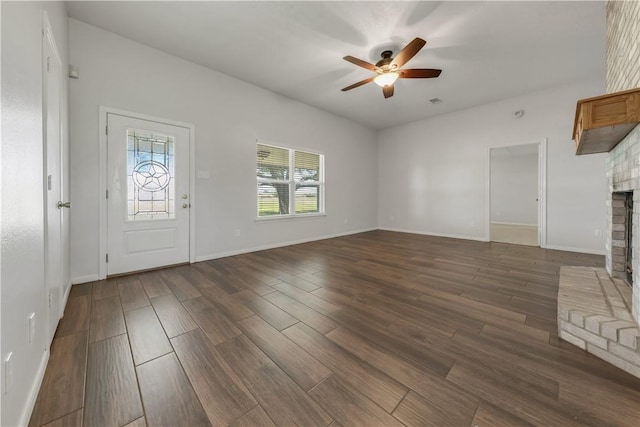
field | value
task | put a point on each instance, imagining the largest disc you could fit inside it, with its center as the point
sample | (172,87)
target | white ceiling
(487,50)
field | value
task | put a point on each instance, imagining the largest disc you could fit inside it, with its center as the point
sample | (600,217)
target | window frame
(292,182)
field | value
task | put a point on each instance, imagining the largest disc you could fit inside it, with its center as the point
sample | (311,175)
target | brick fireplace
(623,162)
(597,309)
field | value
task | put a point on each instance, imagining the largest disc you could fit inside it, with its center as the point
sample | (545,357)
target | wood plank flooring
(376,328)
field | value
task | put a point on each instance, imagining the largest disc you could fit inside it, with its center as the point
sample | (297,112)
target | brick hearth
(594,313)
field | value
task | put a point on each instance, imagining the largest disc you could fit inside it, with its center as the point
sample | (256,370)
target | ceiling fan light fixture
(386,79)
(389,69)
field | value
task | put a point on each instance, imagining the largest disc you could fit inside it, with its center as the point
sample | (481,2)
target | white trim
(482,239)
(428,233)
(542,191)
(291,182)
(102,217)
(85,279)
(279,245)
(289,147)
(579,250)
(520,224)
(94,277)
(48,33)
(65,297)
(270,218)
(35,389)
(102,124)
(487,192)
(192,193)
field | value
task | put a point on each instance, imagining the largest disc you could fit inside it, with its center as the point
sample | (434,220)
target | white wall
(514,187)
(229,115)
(433,173)
(22,233)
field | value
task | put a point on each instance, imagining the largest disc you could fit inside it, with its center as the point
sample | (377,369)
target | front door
(147,194)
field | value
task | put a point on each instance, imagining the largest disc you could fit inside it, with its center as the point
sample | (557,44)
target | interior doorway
(516,194)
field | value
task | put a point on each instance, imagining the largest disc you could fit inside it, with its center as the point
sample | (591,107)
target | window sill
(289,217)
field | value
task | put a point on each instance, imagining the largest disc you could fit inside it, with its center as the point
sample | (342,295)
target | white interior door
(148,199)
(53,181)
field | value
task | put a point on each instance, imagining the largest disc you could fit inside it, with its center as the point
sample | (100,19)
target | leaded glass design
(150,176)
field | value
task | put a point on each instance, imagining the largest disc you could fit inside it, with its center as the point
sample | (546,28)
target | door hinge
(48,64)
(107,196)
(106,257)
(106,130)
(49,299)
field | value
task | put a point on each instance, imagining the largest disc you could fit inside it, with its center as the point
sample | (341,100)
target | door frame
(103,120)
(542,190)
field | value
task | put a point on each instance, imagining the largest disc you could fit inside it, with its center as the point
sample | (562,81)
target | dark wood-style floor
(378,328)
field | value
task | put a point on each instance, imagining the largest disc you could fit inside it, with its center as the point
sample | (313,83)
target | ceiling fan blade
(407,53)
(360,83)
(419,73)
(387,91)
(361,63)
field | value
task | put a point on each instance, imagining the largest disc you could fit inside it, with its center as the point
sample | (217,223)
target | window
(290,182)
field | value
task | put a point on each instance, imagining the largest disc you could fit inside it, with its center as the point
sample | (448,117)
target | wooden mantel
(602,122)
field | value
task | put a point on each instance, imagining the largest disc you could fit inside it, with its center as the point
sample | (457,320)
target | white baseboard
(94,277)
(520,224)
(35,389)
(66,295)
(427,233)
(484,239)
(84,279)
(278,245)
(579,250)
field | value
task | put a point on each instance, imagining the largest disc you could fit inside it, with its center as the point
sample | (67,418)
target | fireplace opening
(622,235)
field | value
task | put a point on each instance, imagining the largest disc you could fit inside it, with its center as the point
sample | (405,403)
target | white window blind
(283,193)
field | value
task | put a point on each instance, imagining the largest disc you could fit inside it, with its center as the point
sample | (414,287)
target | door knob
(184,196)
(64,205)
(185,205)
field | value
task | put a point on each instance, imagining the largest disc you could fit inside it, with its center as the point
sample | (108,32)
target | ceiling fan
(388,68)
